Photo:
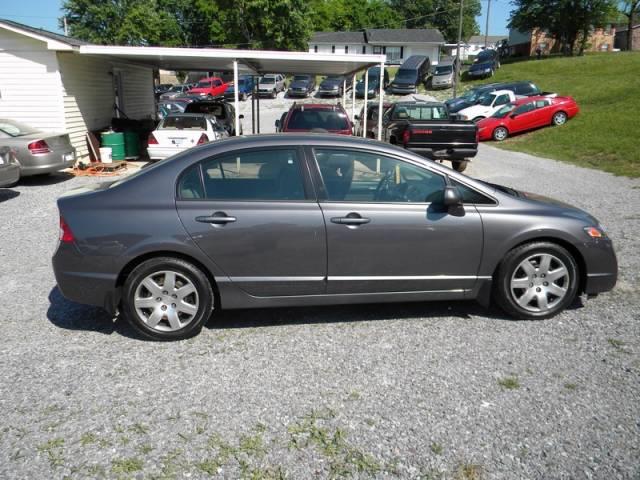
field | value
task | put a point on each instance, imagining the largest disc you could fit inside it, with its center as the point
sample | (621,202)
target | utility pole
(66,29)
(457,71)
(486,28)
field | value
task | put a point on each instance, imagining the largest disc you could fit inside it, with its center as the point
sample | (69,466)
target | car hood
(330,83)
(300,84)
(455,106)
(360,85)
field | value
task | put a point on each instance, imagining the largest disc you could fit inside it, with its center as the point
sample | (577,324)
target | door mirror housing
(452,197)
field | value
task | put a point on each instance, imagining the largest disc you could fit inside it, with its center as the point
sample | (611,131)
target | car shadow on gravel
(69,315)
(44,180)
(7,194)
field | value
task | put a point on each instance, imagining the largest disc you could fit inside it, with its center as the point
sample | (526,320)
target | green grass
(510,383)
(605,133)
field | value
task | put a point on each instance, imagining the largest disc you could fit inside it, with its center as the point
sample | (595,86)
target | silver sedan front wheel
(166,301)
(540,282)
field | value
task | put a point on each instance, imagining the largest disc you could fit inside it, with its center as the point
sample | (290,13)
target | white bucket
(105,154)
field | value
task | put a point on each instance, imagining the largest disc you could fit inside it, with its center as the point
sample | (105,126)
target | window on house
(394,54)
(333,49)
(346,49)
(315,48)
(377,50)
(364,49)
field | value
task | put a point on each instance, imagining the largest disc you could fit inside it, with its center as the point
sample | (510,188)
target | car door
(544,112)
(523,117)
(394,123)
(253,214)
(387,230)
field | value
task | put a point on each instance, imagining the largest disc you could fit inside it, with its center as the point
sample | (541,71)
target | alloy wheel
(559,118)
(540,282)
(166,301)
(500,134)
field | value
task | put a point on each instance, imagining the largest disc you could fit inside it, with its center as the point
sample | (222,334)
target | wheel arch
(575,253)
(132,264)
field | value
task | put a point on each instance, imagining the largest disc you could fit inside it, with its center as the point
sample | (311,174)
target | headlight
(487,70)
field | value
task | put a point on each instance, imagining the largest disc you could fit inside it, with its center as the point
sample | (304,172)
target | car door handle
(218,218)
(350,219)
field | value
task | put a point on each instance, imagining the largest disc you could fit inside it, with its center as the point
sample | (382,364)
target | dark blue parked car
(245,88)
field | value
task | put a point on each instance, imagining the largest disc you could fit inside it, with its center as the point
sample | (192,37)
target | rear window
(177,122)
(324,119)
(211,109)
(421,112)
(15,129)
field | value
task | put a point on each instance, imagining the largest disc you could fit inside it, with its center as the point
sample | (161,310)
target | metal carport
(257,62)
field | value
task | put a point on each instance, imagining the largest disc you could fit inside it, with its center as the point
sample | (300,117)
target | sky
(45,13)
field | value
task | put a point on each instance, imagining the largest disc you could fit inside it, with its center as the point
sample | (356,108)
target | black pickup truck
(428,129)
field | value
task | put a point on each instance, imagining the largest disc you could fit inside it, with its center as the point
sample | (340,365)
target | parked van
(411,73)
(443,74)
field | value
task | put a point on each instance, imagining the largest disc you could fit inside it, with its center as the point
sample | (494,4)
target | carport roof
(249,61)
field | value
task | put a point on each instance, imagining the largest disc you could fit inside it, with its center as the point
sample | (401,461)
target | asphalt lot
(442,390)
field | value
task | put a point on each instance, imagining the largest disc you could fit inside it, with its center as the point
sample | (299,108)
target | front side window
(502,100)
(254,175)
(355,176)
(527,107)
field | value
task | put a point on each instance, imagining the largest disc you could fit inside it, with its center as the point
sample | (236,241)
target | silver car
(271,84)
(9,168)
(37,152)
(443,75)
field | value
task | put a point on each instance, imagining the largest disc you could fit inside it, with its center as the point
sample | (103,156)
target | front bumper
(601,265)
(47,163)
(297,93)
(329,93)
(402,90)
(478,74)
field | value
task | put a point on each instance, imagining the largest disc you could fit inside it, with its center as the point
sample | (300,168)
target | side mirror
(452,197)
(241,116)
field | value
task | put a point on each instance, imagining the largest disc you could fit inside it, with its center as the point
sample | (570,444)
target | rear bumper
(444,153)
(9,174)
(78,285)
(47,163)
(160,153)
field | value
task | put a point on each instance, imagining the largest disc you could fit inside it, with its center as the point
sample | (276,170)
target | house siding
(29,83)
(430,50)
(88,93)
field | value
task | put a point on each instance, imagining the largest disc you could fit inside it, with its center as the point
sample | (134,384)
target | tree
(567,21)
(440,14)
(346,15)
(630,8)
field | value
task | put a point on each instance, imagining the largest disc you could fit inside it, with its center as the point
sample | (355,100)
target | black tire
(502,291)
(205,298)
(559,118)
(499,134)
(274,93)
(459,165)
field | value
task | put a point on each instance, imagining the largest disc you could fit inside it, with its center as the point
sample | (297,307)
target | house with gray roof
(396,43)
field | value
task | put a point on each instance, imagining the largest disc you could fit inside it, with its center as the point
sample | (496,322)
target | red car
(526,114)
(211,87)
(313,117)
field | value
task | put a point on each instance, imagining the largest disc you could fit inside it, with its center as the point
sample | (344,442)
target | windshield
(204,84)
(178,122)
(300,78)
(487,100)
(15,129)
(444,70)
(310,119)
(504,111)
(484,57)
(406,75)
(267,80)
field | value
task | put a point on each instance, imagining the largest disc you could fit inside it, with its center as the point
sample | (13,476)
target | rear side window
(190,184)
(301,119)
(254,175)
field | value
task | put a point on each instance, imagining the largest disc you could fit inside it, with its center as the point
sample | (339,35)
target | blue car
(245,88)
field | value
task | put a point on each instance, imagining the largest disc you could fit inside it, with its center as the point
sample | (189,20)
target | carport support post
(235,96)
(366,99)
(381,101)
(353,98)
(344,91)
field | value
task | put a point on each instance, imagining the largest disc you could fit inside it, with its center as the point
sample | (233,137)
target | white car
(180,131)
(487,105)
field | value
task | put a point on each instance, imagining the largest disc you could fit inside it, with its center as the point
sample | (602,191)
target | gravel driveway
(441,390)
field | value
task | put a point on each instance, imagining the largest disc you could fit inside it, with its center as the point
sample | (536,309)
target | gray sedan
(37,152)
(314,219)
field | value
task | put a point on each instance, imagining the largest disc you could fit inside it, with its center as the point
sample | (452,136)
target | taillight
(66,235)
(39,146)
(406,136)
(152,140)
(203,139)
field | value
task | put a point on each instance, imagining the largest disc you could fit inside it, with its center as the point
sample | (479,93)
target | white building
(475,45)
(396,44)
(46,83)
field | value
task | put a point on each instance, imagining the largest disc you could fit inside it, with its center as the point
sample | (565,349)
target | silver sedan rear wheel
(166,301)
(540,282)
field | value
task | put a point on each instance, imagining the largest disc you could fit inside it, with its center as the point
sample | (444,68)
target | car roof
(520,101)
(500,92)
(316,106)
(420,102)
(188,114)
